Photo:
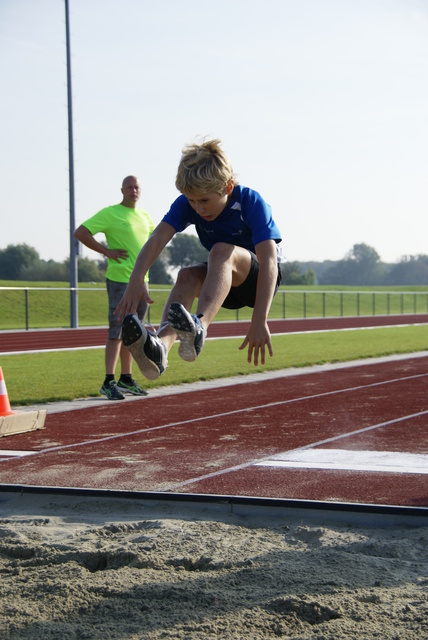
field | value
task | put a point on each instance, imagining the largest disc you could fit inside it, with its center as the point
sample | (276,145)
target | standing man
(126,230)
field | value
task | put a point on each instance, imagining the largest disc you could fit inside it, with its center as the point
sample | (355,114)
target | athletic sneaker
(189,329)
(147,349)
(131,387)
(111,391)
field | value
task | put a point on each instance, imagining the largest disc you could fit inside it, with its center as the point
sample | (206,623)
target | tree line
(361,266)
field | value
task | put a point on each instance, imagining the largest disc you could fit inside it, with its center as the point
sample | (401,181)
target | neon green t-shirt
(124,228)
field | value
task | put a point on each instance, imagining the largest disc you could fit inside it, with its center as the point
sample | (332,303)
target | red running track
(347,434)
(43,339)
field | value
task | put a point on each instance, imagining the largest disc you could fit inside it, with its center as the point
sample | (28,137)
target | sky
(322,106)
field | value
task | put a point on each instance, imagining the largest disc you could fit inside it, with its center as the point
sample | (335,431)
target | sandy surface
(75,567)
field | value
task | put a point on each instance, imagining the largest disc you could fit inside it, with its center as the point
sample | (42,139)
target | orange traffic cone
(5,409)
(15,422)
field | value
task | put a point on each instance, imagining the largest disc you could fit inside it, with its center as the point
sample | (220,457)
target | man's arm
(85,237)
(137,289)
(258,336)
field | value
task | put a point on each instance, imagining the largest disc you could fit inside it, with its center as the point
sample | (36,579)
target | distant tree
(310,277)
(292,274)
(361,266)
(316,267)
(49,271)
(410,270)
(15,258)
(185,250)
(363,254)
(88,270)
(158,273)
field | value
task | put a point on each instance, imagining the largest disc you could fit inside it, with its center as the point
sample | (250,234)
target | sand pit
(75,567)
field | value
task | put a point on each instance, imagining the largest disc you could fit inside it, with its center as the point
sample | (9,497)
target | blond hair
(204,168)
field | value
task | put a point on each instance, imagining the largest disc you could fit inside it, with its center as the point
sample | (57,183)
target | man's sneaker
(189,329)
(131,387)
(148,351)
(111,391)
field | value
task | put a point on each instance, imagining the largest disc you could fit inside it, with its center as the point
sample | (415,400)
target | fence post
(26,310)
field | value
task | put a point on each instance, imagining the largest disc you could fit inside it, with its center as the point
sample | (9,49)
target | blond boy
(235,225)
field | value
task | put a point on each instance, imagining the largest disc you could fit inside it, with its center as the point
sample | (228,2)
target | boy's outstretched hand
(133,295)
(257,339)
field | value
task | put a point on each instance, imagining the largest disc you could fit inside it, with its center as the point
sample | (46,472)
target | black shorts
(245,294)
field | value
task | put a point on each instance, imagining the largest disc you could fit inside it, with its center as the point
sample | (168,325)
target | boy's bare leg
(228,266)
(188,286)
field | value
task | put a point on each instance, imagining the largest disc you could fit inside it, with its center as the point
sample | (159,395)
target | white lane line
(37,351)
(345,460)
(225,414)
(252,463)
(14,453)
(237,336)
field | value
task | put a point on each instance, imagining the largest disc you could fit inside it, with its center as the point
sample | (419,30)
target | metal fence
(49,307)
(310,304)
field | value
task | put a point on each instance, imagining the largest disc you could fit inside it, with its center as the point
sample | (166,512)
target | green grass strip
(67,375)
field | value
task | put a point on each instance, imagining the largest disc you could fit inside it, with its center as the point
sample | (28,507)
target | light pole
(73,241)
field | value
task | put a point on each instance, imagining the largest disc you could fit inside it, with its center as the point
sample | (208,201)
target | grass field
(39,305)
(66,375)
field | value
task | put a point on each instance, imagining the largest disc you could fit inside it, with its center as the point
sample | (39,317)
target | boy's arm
(137,289)
(258,336)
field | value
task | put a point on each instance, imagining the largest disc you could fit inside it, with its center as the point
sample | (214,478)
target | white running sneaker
(147,349)
(189,329)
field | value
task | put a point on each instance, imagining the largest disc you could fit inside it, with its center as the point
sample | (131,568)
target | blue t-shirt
(245,221)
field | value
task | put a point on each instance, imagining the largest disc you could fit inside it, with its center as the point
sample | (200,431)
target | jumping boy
(235,225)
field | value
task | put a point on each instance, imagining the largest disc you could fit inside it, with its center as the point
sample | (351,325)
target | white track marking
(252,463)
(14,453)
(244,410)
(219,383)
(341,459)
(234,337)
